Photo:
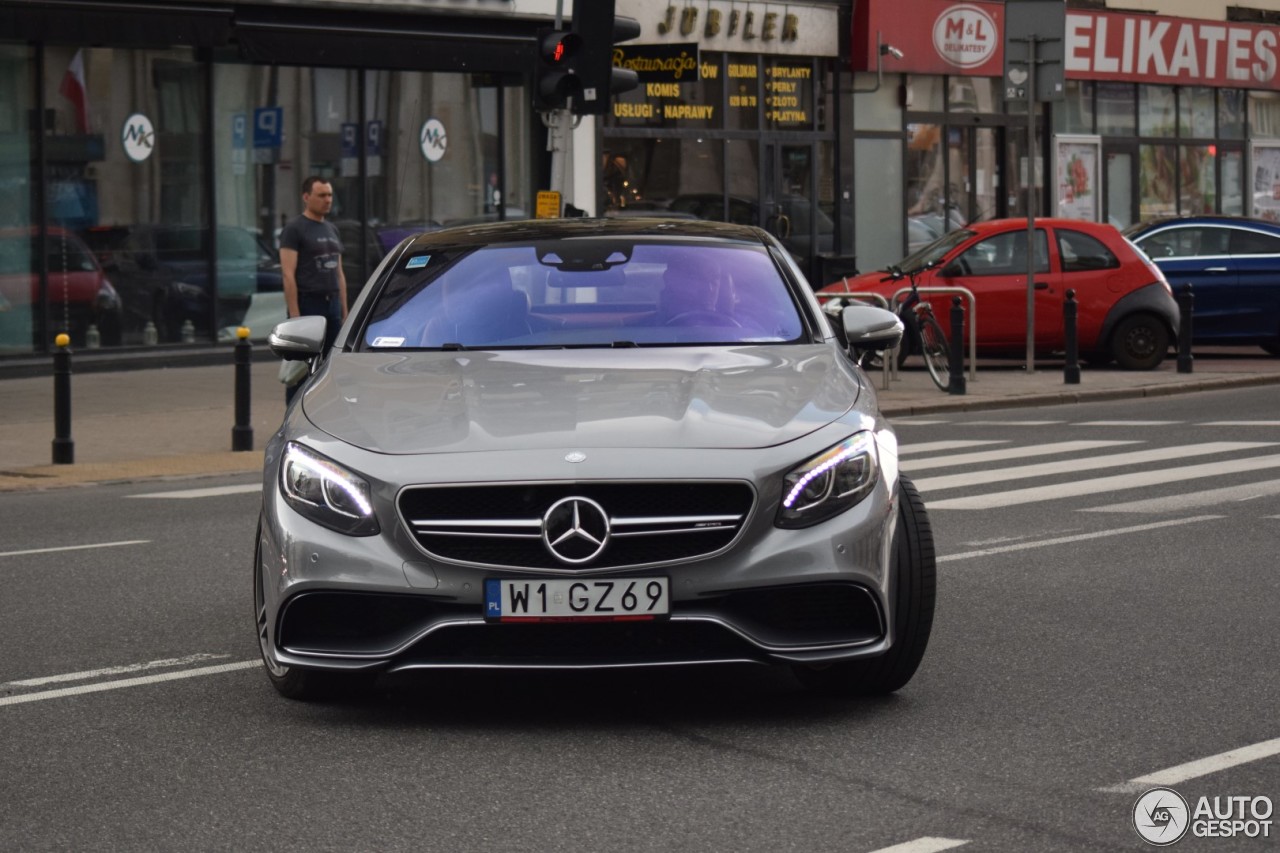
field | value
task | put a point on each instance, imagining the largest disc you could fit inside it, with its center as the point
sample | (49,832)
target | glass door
(1121,163)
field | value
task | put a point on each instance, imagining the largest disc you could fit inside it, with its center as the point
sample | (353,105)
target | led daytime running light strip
(841,455)
(330,474)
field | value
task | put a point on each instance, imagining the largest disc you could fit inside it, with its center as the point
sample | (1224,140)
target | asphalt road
(1118,626)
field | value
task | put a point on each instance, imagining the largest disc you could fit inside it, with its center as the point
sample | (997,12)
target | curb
(960,404)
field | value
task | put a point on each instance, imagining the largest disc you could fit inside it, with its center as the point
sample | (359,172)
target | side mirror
(298,338)
(871,329)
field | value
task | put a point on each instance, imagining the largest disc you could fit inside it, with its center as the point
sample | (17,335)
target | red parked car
(1127,312)
(79,293)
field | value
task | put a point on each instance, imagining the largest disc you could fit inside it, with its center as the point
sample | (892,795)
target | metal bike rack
(867,296)
(973,320)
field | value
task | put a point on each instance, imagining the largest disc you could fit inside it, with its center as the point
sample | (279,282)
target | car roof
(1204,219)
(526,230)
(991,225)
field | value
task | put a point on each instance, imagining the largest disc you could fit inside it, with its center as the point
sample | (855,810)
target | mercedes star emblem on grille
(575,530)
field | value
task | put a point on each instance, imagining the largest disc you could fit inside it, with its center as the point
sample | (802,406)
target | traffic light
(599,30)
(554,80)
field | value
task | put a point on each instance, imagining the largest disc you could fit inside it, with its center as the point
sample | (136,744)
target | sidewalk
(176,421)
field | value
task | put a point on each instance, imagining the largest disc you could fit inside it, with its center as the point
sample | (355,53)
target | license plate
(557,600)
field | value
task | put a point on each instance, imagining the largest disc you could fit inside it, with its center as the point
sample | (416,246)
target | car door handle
(1215,269)
(1042,285)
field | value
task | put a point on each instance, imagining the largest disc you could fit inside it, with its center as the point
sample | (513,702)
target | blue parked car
(1233,266)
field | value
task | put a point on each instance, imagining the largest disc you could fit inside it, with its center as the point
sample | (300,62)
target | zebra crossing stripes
(1103,485)
(1192,500)
(1090,463)
(1005,453)
(934,446)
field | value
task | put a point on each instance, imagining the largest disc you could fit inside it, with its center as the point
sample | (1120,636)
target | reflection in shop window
(1198,190)
(1116,110)
(1156,111)
(1157,181)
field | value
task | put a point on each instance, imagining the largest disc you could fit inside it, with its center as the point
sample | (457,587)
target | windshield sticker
(417,263)
(388,342)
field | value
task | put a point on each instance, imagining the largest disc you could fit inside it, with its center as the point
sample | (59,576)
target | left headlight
(829,483)
(325,492)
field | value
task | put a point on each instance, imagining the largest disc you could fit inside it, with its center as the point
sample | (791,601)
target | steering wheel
(703,317)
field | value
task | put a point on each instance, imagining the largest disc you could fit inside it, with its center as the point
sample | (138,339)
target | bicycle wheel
(936,350)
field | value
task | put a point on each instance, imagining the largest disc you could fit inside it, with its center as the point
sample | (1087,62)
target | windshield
(935,251)
(595,292)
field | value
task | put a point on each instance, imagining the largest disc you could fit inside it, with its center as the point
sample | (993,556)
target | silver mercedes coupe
(572,444)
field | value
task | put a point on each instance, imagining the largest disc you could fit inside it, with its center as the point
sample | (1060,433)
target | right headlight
(829,483)
(325,492)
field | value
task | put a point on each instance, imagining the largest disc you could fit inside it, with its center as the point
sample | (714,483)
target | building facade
(150,153)
(1159,115)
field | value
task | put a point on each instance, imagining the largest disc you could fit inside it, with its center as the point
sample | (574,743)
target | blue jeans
(328,306)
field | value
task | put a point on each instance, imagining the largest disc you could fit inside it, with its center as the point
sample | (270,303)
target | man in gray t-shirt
(311,262)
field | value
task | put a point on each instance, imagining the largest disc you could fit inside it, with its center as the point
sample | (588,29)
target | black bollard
(242,432)
(957,385)
(1071,373)
(64,449)
(1186,306)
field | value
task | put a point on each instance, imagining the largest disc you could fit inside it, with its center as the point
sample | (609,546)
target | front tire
(915,576)
(1139,342)
(304,685)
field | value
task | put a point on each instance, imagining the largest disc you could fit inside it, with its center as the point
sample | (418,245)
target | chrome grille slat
(490,524)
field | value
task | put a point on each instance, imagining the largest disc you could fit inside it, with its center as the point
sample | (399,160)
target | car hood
(869,282)
(427,402)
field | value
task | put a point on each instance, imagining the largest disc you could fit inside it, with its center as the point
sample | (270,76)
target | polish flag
(73,90)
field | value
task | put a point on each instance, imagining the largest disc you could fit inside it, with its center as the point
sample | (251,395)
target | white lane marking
(75,547)
(923,845)
(934,446)
(126,682)
(916,422)
(1079,537)
(212,492)
(1093,463)
(1107,484)
(1175,503)
(117,670)
(1198,768)
(1240,423)
(1126,423)
(1009,453)
(1008,423)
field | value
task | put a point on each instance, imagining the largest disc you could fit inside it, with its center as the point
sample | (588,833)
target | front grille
(648,522)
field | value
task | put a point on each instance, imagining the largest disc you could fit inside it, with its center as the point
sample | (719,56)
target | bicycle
(924,334)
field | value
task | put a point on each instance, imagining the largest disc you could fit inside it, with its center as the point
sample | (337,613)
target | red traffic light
(558,46)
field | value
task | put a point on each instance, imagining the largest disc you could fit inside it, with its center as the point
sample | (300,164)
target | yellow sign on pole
(548,206)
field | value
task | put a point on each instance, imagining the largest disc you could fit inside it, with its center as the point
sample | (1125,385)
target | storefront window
(131,186)
(926,172)
(19,268)
(1264,115)
(788,95)
(1155,111)
(1195,112)
(672,99)
(1197,191)
(1157,181)
(1230,114)
(743,78)
(972,95)
(1075,113)
(683,175)
(925,94)
(1232,166)
(1116,109)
